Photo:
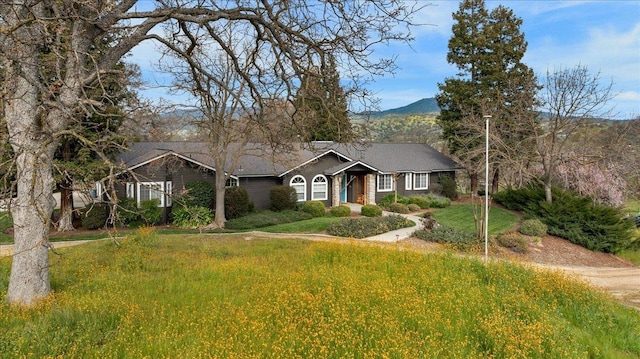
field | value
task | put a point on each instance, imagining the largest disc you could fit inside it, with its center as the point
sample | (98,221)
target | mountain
(426,105)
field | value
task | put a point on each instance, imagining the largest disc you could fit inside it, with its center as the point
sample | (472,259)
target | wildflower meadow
(200,296)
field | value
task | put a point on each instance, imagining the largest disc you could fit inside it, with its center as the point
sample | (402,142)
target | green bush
(413,207)
(283,198)
(266,218)
(438,201)
(533,227)
(199,194)
(191,217)
(367,227)
(575,218)
(314,208)
(237,202)
(421,201)
(398,208)
(150,212)
(449,188)
(450,236)
(371,210)
(514,241)
(95,216)
(127,211)
(389,199)
(341,211)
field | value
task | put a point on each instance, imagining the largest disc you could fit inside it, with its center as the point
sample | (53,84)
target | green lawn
(460,216)
(190,296)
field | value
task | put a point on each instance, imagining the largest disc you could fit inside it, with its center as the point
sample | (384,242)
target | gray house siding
(313,169)
(259,189)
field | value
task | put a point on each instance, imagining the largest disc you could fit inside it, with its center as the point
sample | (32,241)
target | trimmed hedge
(450,236)
(514,241)
(398,208)
(314,208)
(199,194)
(192,217)
(341,211)
(371,210)
(237,202)
(283,198)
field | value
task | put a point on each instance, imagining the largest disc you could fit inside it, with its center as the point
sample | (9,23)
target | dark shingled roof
(260,160)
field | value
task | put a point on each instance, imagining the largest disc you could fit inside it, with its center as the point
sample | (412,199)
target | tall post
(486,187)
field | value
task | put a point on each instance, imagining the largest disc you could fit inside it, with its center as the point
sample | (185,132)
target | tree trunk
(31,211)
(495,183)
(220,217)
(473,176)
(65,223)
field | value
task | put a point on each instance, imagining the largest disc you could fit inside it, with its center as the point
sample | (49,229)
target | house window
(300,185)
(154,190)
(319,188)
(408,181)
(385,183)
(421,181)
(131,190)
(231,182)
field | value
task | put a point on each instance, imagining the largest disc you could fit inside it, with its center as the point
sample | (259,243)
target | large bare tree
(569,96)
(38,109)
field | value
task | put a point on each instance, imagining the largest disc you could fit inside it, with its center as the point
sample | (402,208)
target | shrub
(283,198)
(449,188)
(421,201)
(575,218)
(266,218)
(150,212)
(192,217)
(439,201)
(199,194)
(314,208)
(450,236)
(371,210)
(127,211)
(398,208)
(389,199)
(341,211)
(413,207)
(396,221)
(514,241)
(533,227)
(367,227)
(95,216)
(236,202)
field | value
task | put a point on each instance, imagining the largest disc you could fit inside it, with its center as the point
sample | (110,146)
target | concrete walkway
(393,236)
(390,237)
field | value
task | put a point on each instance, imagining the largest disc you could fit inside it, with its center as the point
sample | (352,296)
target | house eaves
(315,158)
(345,166)
(178,155)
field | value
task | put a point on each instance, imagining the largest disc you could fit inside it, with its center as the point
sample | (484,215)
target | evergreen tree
(487,48)
(321,106)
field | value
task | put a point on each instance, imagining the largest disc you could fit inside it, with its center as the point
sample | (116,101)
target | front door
(357,188)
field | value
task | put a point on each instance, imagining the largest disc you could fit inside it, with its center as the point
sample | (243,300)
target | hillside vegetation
(229,297)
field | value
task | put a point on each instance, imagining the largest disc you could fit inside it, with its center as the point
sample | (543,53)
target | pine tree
(321,106)
(487,48)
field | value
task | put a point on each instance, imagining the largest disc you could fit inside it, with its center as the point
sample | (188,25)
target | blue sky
(602,35)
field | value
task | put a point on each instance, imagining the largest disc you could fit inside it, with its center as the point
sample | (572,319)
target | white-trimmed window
(154,190)
(408,181)
(319,188)
(232,182)
(300,185)
(131,190)
(421,181)
(385,183)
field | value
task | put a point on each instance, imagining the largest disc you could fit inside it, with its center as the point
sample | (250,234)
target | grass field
(460,216)
(193,296)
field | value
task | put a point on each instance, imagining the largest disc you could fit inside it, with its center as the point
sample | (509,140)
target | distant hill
(426,105)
